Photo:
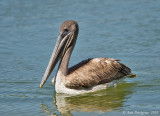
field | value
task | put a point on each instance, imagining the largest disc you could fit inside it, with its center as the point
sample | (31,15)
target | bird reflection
(102,101)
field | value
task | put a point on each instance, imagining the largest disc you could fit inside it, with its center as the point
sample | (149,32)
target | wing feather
(95,71)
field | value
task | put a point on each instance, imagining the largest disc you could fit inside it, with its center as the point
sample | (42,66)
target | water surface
(123,29)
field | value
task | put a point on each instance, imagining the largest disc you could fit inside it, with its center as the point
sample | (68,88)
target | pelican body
(87,76)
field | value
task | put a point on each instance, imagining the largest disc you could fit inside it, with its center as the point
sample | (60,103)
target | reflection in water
(102,101)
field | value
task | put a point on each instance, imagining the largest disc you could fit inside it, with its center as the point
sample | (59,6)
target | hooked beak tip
(41,85)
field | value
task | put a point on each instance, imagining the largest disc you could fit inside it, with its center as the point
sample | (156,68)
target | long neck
(65,61)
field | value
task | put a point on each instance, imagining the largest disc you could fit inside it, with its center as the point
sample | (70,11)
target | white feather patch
(108,61)
(96,59)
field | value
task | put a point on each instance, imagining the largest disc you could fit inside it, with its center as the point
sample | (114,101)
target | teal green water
(120,29)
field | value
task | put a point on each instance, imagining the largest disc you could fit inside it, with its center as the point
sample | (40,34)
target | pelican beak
(60,48)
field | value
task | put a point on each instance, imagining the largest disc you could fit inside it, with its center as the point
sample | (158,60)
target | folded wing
(95,71)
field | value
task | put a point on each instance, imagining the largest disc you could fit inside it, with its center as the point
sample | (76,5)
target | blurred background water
(120,29)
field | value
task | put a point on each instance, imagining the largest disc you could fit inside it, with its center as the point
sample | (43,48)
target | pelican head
(65,43)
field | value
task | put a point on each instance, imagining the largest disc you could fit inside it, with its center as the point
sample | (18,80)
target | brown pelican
(87,76)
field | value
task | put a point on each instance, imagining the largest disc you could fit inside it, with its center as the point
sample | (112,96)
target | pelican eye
(65,32)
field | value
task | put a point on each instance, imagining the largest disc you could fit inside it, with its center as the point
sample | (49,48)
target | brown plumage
(95,71)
